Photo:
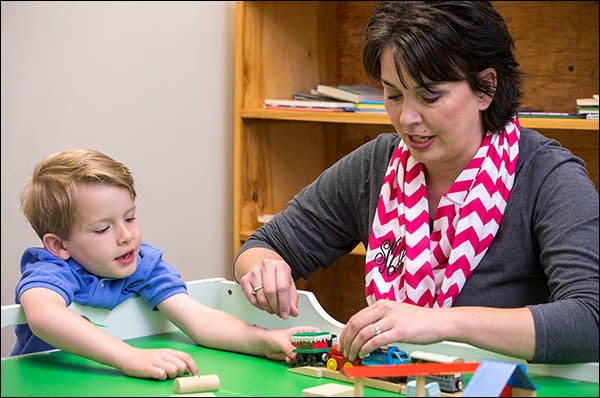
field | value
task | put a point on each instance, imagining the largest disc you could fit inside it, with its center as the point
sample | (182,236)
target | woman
(477,230)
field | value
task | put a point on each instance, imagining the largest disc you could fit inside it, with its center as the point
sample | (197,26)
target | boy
(81,204)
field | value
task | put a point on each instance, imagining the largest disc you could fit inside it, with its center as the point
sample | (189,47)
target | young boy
(81,204)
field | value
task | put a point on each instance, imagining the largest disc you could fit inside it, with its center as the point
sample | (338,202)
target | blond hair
(48,198)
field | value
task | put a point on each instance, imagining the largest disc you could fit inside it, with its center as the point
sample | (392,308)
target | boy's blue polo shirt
(154,280)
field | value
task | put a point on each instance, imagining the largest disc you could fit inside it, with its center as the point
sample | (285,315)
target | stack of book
(366,98)
(588,107)
(328,98)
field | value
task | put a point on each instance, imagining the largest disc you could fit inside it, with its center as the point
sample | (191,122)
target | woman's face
(441,125)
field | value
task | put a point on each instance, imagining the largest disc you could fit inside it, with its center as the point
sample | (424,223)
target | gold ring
(377,329)
(256,289)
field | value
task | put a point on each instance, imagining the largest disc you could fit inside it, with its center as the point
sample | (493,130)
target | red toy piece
(337,360)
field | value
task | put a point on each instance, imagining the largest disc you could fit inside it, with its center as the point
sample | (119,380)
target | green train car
(312,348)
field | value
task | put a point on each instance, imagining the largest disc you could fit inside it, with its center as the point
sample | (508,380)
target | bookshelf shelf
(381,119)
(308,116)
(291,46)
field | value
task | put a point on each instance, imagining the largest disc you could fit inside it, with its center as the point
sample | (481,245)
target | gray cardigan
(544,256)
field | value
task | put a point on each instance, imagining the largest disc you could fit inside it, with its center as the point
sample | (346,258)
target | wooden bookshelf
(287,46)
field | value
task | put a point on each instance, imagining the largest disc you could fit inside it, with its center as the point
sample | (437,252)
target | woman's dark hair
(446,41)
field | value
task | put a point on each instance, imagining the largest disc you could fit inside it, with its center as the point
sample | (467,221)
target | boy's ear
(55,245)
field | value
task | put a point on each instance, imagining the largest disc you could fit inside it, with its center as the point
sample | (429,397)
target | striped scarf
(405,261)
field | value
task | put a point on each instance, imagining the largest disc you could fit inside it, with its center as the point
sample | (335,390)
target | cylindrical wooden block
(196,383)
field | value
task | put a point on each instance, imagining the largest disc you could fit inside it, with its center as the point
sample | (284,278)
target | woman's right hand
(268,285)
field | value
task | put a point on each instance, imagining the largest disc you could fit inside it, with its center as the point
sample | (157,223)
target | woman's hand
(387,322)
(269,286)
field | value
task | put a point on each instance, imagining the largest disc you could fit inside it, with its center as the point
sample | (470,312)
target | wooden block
(383,385)
(336,375)
(313,371)
(329,390)
(196,383)
(359,387)
(368,382)
(523,392)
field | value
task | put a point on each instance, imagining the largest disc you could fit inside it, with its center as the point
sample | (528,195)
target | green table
(61,374)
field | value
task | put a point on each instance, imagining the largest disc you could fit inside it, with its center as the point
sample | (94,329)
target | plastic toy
(387,355)
(419,370)
(431,389)
(312,348)
(453,382)
(337,360)
(495,378)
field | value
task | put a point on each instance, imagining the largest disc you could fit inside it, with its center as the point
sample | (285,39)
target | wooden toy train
(321,348)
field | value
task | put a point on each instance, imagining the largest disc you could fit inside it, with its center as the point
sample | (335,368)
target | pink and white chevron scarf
(405,261)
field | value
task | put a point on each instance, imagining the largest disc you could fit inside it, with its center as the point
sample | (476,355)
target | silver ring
(377,329)
(256,289)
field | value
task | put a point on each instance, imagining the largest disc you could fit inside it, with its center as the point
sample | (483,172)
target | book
(583,110)
(369,107)
(551,114)
(587,101)
(306,109)
(313,96)
(367,110)
(271,102)
(353,92)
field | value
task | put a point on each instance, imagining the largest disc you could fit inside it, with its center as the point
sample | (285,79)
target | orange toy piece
(420,370)
(413,369)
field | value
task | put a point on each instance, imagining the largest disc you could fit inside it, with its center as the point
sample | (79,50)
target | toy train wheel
(348,365)
(331,364)
(312,360)
(300,360)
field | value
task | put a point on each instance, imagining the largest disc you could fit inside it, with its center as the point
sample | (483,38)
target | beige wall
(150,84)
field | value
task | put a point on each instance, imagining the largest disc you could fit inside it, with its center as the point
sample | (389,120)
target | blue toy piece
(493,377)
(391,355)
(431,389)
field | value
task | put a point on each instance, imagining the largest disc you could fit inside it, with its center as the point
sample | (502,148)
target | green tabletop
(61,374)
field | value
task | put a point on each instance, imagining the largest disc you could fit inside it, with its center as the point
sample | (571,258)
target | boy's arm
(217,329)
(51,320)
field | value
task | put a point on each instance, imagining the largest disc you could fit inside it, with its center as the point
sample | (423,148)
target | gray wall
(148,83)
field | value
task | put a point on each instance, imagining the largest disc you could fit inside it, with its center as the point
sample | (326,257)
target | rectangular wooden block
(329,390)
(313,371)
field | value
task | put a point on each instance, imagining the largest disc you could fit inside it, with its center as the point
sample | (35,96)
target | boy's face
(106,238)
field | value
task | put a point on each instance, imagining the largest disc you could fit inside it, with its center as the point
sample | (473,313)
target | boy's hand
(278,343)
(160,364)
